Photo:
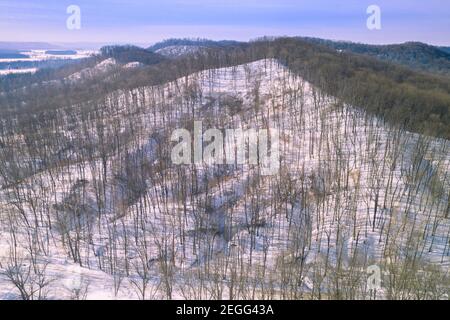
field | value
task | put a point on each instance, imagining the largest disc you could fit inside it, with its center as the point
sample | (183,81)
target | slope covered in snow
(178,51)
(108,214)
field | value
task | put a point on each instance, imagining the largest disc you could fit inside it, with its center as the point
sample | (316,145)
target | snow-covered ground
(38,55)
(102,67)
(178,51)
(12,71)
(42,55)
(351,192)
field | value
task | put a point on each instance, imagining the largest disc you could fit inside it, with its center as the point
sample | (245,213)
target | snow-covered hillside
(109,215)
(178,51)
(100,68)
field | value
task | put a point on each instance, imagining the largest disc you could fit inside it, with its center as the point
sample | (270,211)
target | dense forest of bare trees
(90,197)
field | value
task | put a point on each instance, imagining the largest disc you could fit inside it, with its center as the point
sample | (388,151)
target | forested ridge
(415,55)
(92,204)
(194,42)
(417,101)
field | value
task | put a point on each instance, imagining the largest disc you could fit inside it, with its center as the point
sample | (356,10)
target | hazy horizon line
(149,43)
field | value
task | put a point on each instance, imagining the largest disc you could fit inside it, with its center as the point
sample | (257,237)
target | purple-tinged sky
(134,21)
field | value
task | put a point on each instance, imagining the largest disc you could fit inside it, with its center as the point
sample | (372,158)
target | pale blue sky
(135,21)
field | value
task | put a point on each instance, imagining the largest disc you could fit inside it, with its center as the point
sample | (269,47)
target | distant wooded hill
(129,53)
(193,42)
(417,101)
(415,55)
